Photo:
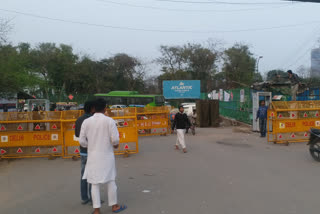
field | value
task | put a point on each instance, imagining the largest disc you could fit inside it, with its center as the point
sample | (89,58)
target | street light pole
(257,66)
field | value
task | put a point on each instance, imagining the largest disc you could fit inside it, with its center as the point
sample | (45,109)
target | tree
(272,75)
(201,63)
(54,65)
(151,85)
(129,72)
(190,61)
(303,72)
(82,79)
(5,28)
(239,66)
(257,77)
(64,64)
(172,58)
(119,72)
(14,69)
(219,80)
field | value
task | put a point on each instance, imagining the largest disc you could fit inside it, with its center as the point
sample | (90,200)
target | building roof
(24,96)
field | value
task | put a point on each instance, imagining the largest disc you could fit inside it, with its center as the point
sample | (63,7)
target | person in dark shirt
(84,186)
(295,83)
(262,116)
(181,122)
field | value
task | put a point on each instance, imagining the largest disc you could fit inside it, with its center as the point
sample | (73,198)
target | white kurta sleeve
(113,130)
(83,135)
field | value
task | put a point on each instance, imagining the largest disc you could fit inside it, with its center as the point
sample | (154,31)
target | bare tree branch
(5,28)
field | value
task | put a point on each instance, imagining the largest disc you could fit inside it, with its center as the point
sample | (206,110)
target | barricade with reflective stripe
(153,121)
(71,143)
(126,123)
(45,134)
(128,134)
(30,134)
(291,121)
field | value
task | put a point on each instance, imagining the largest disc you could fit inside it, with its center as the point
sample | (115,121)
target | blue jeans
(263,126)
(83,183)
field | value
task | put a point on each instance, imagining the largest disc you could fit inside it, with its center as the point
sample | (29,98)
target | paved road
(223,173)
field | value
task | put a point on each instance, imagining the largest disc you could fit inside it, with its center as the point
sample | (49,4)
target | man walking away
(100,135)
(84,187)
(262,116)
(180,122)
(295,83)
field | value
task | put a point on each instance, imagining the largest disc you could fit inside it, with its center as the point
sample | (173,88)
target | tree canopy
(239,66)
(48,70)
(53,71)
(190,61)
(274,74)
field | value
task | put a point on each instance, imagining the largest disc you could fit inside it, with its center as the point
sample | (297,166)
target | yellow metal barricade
(126,120)
(127,127)
(153,120)
(71,143)
(30,134)
(46,134)
(291,121)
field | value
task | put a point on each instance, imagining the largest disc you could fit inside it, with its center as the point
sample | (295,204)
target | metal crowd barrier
(126,120)
(153,121)
(52,134)
(127,127)
(291,121)
(31,134)
(71,143)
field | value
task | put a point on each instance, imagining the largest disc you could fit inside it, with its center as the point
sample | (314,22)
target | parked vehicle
(188,109)
(132,97)
(75,108)
(167,103)
(39,104)
(118,106)
(8,105)
(314,144)
(138,106)
(81,106)
(64,106)
(184,104)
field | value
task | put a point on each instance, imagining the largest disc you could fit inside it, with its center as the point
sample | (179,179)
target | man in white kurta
(100,135)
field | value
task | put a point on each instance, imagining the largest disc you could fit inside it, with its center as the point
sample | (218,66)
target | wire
(156,30)
(225,2)
(188,10)
(307,41)
(301,56)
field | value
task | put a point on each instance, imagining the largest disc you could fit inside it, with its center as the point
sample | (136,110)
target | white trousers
(112,194)
(180,138)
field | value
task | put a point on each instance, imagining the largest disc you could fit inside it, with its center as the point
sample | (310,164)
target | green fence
(237,107)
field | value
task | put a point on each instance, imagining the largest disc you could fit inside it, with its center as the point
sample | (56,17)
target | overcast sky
(283,33)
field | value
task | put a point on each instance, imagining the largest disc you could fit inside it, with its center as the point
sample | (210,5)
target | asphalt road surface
(223,173)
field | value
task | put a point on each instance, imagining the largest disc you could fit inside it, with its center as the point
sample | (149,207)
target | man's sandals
(177,148)
(120,209)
